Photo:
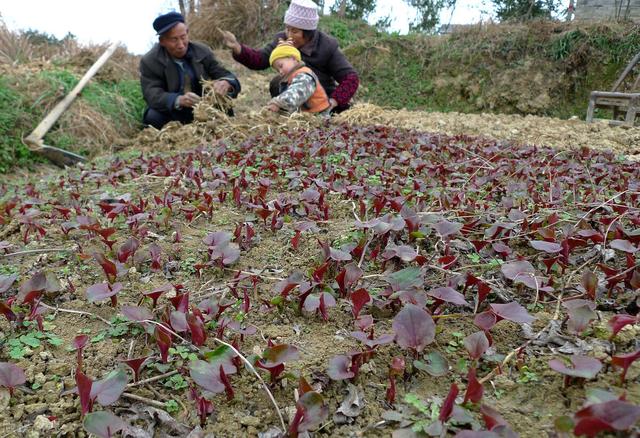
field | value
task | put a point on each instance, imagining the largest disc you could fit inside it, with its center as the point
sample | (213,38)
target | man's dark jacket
(161,80)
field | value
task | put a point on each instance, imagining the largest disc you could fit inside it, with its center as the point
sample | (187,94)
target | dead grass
(251,21)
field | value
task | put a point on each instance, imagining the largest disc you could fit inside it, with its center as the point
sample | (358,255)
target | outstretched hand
(230,41)
(271,107)
(287,42)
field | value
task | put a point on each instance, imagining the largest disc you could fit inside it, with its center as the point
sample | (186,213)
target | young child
(300,89)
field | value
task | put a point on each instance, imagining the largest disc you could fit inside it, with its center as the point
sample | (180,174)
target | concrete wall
(606,9)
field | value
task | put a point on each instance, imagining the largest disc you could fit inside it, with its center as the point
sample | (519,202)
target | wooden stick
(34,140)
(37,251)
(154,403)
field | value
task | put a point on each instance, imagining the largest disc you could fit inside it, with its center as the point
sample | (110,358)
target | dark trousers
(158,119)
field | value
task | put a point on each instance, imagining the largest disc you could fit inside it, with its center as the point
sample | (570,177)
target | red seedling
(348,277)
(474,390)
(128,249)
(156,293)
(136,366)
(448,404)
(11,376)
(618,322)
(396,369)
(476,344)
(103,424)
(624,361)
(510,311)
(163,340)
(414,328)
(109,268)
(612,415)
(101,291)
(579,367)
(339,368)
(79,342)
(275,357)
(311,411)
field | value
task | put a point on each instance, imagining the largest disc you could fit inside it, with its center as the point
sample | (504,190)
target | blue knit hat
(164,23)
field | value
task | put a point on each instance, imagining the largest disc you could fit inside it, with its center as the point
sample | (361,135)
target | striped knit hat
(302,14)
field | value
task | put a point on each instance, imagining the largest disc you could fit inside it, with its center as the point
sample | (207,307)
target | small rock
(4,399)
(18,411)
(43,424)
(250,421)
(40,379)
(59,368)
(36,408)
(45,355)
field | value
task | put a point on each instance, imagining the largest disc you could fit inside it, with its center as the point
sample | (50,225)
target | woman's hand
(230,41)
(287,42)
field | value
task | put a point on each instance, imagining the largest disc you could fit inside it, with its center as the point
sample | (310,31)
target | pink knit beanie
(302,14)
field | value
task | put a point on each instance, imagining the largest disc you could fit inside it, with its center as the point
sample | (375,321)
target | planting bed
(379,281)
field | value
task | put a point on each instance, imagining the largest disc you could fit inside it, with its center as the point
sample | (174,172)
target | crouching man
(172,71)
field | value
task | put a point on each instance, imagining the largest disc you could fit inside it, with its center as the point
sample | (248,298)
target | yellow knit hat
(284,51)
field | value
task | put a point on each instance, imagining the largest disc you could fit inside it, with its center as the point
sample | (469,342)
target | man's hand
(230,41)
(222,87)
(272,107)
(188,100)
(333,103)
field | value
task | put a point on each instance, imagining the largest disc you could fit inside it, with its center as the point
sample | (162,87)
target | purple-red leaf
(584,367)
(581,313)
(349,275)
(359,298)
(589,282)
(414,328)
(136,365)
(278,354)
(513,312)
(446,228)
(103,424)
(11,376)
(548,247)
(474,388)
(339,368)
(449,295)
(624,361)
(127,249)
(84,384)
(108,390)
(618,322)
(449,402)
(207,375)
(372,343)
(476,344)
(624,246)
(101,291)
(611,415)
(6,281)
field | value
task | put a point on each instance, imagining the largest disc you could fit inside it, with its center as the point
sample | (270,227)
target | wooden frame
(621,102)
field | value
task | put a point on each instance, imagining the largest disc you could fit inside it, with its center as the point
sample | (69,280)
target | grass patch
(543,68)
(102,112)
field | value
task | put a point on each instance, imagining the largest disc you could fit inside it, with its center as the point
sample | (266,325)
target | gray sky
(129,21)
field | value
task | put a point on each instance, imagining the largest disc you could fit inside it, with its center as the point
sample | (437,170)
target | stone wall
(606,9)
